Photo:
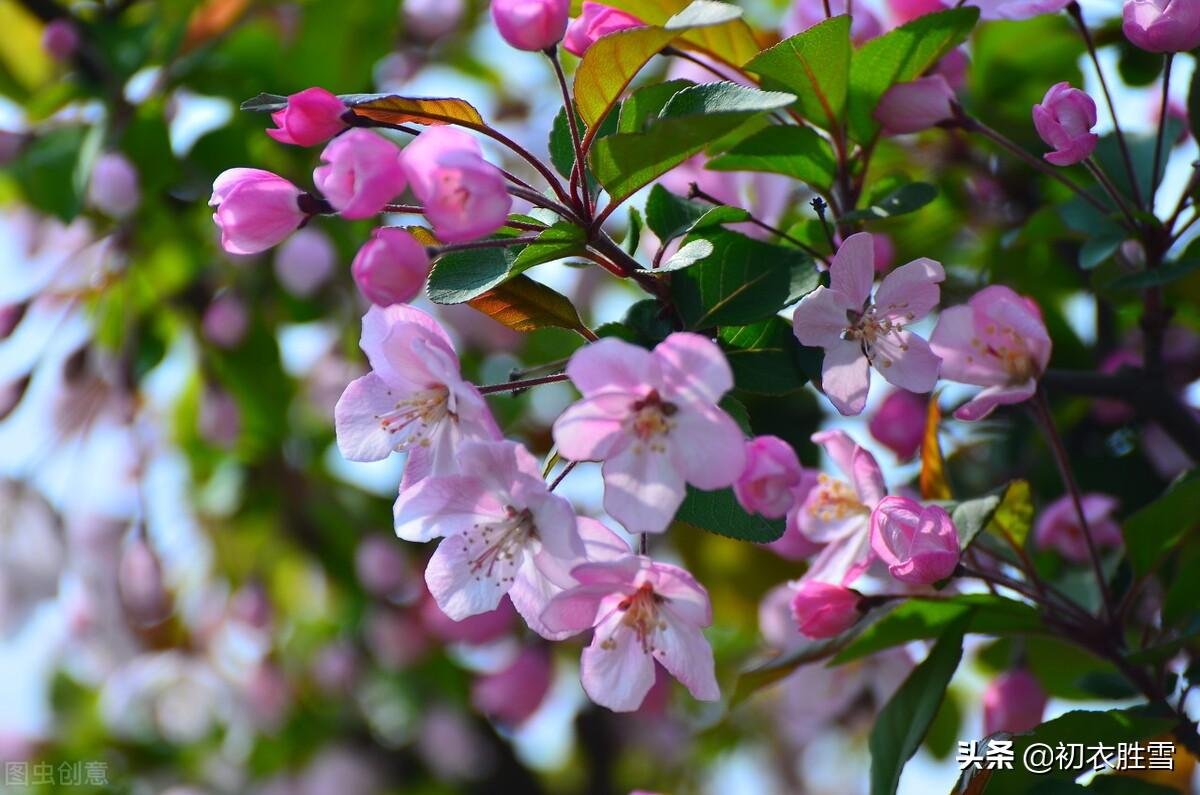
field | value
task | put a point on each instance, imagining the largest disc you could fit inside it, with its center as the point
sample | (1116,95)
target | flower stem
(513,386)
(577,173)
(696,193)
(562,475)
(475,245)
(1155,175)
(1111,190)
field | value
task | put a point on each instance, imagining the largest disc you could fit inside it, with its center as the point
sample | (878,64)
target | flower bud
(1058,526)
(511,695)
(1162,25)
(113,187)
(906,10)
(255,209)
(140,583)
(60,39)
(1014,702)
(226,321)
(465,197)
(304,262)
(823,610)
(899,423)
(432,19)
(916,105)
(918,543)
(1064,120)
(595,21)
(362,173)
(312,116)
(772,472)
(531,24)
(391,267)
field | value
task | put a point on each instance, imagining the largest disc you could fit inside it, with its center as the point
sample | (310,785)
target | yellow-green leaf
(1014,515)
(392,109)
(525,305)
(732,42)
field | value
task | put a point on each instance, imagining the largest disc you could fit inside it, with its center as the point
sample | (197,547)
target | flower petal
(360,434)
(820,318)
(443,506)
(707,447)
(615,671)
(846,377)
(613,364)
(986,401)
(694,367)
(852,271)
(911,291)
(906,361)
(593,429)
(642,489)
(685,652)
(460,591)
(531,593)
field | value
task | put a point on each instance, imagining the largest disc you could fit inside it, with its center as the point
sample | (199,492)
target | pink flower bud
(381,566)
(255,209)
(596,20)
(1058,526)
(885,252)
(823,610)
(531,24)
(140,582)
(905,10)
(899,423)
(268,696)
(304,262)
(1064,121)
(475,630)
(511,695)
(1162,25)
(772,472)
(915,106)
(918,543)
(60,39)
(391,267)
(312,116)
(1014,702)
(362,173)
(113,187)
(465,197)
(432,19)
(226,321)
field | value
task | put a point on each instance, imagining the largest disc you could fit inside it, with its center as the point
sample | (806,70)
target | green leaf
(903,722)
(562,240)
(562,148)
(1014,516)
(633,238)
(670,216)
(644,105)
(793,151)
(45,172)
(1164,651)
(898,57)
(742,282)
(462,275)
(1153,531)
(732,42)
(815,66)
(719,512)
(1141,151)
(688,255)
(972,516)
(1100,245)
(766,357)
(644,324)
(908,198)
(1166,274)
(525,305)
(693,118)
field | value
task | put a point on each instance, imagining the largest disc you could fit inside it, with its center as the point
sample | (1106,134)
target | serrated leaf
(766,357)
(522,304)
(562,240)
(907,198)
(462,275)
(719,512)
(645,104)
(899,56)
(732,42)
(793,151)
(815,66)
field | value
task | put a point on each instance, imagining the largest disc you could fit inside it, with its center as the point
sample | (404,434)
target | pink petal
(576,609)
(906,361)
(694,367)
(613,364)
(642,489)
(846,377)
(911,291)
(688,599)
(683,650)
(707,447)
(443,506)
(593,429)
(852,271)
(840,448)
(868,478)
(531,593)
(986,401)
(555,518)
(615,671)
(951,342)
(459,591)
(844,561)
(820,318)
(360,436)
(499,462)
(387,337)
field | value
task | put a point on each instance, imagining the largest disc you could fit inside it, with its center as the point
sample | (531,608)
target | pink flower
(391,267)
(1013,9)
(858,333)
(905,10)
(998,341)
(918,543)
(305,262)
(838,514)
(822,610)
(1064,120)
(1058,526)
(414,399)
(1014,702)
(899,423)
(771,476)
(642,612)
(465,197)
(595,21)
(255,209)
(916,105)
(504,532)
(60,39)
(652,418)
(1162,25)
(793,544)
(531,24)
(113,187)
(807,13)
(514,693)
(362,173)
(312,116)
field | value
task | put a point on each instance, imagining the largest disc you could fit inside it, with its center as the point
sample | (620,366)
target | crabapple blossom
(1014,702)
(504,532)
(515,692)
(838,514)
(305,261)
(414,400)
(312,116)
(594,21)
(1012,9)
(465,197)
(1064,120)
(113,187)
(642,612)
(858,333)
(531,24)
(899,423)
(822,610)
(362,173)
(1058,526)
(255,209)
(771,475)
(916,105)
(919,544)
(391,267)
(1162,25)
(652,418)
(998,341)
(793,544)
